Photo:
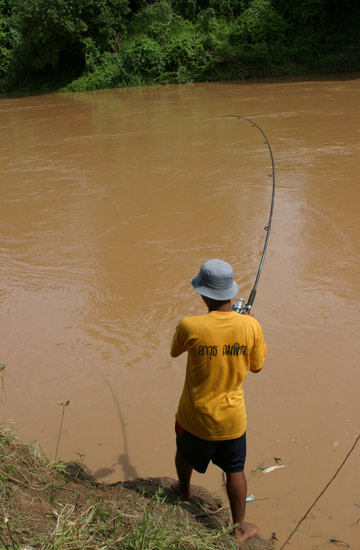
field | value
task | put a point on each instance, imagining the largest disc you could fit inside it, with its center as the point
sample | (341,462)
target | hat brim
(214,293)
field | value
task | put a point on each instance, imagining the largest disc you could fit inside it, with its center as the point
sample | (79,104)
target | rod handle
(251,300)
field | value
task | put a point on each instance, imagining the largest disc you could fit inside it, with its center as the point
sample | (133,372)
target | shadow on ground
(204,507)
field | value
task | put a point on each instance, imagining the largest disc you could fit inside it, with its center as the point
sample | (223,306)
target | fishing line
(320,495)
(240,305)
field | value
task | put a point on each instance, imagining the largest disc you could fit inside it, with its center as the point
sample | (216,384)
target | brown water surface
(110,201)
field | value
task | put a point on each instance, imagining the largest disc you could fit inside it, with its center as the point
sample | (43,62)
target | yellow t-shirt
(222,347)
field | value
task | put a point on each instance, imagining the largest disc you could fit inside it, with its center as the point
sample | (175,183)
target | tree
(8,36)
(60,35)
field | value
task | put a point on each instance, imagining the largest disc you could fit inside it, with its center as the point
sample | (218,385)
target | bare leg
(184,471)
(236,488)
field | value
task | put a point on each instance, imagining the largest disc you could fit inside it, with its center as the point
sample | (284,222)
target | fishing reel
(239,305)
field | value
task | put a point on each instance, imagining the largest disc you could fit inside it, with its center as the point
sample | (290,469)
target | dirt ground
(203,507)
(46,504)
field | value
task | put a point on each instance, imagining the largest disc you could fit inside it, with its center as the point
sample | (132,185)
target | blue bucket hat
(215,280)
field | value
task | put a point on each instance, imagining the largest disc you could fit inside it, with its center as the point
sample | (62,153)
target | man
(222,347)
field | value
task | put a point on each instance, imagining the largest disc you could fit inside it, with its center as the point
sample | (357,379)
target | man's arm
(259,351)
(178,342)
(256,371)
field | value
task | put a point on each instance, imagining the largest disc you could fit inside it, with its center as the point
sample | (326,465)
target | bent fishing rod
(240,305)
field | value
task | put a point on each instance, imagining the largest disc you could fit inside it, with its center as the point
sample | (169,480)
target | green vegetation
(46,504)
(92,44)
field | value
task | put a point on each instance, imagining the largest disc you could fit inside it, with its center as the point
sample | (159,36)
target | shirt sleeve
(178,342)
(259,351)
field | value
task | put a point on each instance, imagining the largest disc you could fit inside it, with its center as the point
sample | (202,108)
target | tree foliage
(62,35)
(105,43)
(8,36)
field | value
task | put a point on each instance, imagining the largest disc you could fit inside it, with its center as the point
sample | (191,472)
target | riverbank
(82,46)
(52,504)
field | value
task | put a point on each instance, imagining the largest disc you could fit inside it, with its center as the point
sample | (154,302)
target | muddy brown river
(110,201)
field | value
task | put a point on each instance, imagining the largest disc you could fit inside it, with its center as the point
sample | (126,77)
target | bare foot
(246,531)
(177,487)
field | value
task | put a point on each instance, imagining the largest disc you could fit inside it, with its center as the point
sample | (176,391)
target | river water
(110,201)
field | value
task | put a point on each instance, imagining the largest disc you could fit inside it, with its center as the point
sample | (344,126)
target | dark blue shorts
(229,455)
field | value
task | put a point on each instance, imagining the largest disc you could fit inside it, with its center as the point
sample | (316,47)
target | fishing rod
(240,305)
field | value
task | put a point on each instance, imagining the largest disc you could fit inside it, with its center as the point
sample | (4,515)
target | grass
(47,504)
